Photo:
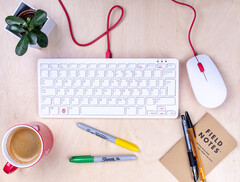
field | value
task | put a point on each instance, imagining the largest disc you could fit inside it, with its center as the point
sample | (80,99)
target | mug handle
(9,168)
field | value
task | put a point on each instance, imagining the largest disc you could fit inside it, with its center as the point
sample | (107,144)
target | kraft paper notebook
(214,144)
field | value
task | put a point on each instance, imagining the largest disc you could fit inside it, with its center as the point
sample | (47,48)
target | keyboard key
(79,92)
(142,111)
(93,101)
(44,73)
(112,101)
(53,66)
(81,73)
(44,66)
(136,92)
(131,101)
(91,73)
(63,66)
(70,92)
(121,101)
(63,110)
(140,101)
(143,83)
(149,101)
(102,66)
(171,66)
(46,101)
(46,82)
(151,113)
(56,100)
(77,83)
(165,101)
(133,83)
(48,91)
(74,110)
(45,110)
(169,73)
(84,101)
(103,101)
(152,83)
(72,73)
(58,83)
(171,113)
(147,73)
(92,66)
(75,101)
(170,84)
(116,111)
(163,91)
(62,73)
(73,66)
(131,66)
(98,92)
(141,66)
(100,74)
(54,110)
(65,101)
(151,66)
(131,111)
(82,66)
(161,113)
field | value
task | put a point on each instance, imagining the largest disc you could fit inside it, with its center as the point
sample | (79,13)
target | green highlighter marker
(90,159)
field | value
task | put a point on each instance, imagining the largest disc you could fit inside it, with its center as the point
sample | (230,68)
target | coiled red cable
(108,53)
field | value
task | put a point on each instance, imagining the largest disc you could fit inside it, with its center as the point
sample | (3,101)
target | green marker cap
(82,159)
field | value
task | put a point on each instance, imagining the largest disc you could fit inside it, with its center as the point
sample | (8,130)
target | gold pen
(195,148)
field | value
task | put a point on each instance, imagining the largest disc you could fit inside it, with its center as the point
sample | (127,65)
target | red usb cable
(108,53)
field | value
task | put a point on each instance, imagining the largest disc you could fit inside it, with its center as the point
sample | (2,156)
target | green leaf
(42,39)
(22,45)
(28,20)
(13,20)
(39,18)
(32,37)
(16,29)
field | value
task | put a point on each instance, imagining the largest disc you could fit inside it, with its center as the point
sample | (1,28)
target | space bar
(104,111)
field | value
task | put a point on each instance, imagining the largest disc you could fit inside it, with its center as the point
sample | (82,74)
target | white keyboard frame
(107,61)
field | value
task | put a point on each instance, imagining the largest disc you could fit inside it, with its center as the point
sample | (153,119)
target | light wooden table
(150,28)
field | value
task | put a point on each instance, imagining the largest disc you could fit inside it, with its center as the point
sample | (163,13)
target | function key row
(108,66)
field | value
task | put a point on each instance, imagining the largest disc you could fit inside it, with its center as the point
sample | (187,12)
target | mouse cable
(108,53)
(190,29)
(200,66)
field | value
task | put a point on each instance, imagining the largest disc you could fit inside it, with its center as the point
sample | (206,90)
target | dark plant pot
(27,13)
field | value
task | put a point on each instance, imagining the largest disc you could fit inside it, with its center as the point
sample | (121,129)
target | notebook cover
(214,144)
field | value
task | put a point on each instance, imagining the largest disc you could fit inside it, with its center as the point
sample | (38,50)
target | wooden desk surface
(153,28)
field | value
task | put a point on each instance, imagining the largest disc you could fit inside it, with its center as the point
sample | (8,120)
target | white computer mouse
(207,83)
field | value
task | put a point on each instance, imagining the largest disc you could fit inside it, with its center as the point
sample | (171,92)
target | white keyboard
(108,88)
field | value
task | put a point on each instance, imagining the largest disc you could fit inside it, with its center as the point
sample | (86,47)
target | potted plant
(31,26)
(28,25)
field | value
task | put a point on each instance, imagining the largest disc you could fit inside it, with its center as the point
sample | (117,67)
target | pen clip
(189,122)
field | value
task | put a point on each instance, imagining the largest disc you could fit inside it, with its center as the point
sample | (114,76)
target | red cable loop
(108,53)
(189,33)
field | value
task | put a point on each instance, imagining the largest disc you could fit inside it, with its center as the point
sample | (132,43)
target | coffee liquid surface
(24,145)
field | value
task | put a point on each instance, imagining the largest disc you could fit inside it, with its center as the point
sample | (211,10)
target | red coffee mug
(45,136)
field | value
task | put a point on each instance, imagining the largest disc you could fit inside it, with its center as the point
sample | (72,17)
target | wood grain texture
(150,28)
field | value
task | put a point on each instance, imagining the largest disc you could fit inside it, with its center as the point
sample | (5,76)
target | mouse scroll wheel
(200,66)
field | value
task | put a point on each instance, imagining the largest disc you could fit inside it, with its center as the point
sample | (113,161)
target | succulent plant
(30,31)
